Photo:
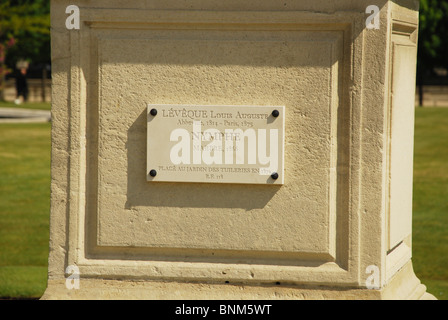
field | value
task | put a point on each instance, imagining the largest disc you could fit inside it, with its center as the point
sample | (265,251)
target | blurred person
(21,86)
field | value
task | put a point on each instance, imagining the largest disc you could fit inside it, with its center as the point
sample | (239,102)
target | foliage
(4,46)
(29,23)
(24,33)
(433,34)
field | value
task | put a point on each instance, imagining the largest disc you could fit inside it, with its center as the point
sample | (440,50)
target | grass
(25,205)
(430,205)
(29,105)
(24,209)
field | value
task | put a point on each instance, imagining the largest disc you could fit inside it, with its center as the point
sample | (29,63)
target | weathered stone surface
(345,202)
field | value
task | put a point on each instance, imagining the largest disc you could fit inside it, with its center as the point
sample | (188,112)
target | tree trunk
(420,95)
(44,82)
(420,90)
(2,87)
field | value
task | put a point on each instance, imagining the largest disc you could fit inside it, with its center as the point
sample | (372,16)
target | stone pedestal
(335,223)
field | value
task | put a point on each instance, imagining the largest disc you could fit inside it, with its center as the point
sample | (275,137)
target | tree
(4,46)
(24,34)
(433,39)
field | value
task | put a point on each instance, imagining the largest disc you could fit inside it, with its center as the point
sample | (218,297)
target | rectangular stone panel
(228,69)
(215,144)
(402,132)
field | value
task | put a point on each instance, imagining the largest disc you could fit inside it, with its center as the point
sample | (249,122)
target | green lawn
(24,208)
(30,105)
(430,215)
(25,205)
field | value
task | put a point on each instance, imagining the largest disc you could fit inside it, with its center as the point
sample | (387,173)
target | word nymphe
(226,147)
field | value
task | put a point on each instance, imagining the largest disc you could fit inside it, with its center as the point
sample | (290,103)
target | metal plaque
(215,144)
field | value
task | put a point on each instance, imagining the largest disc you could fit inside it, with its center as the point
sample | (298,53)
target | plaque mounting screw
(153,112)
(275,113)
(153,173)
(274,176)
